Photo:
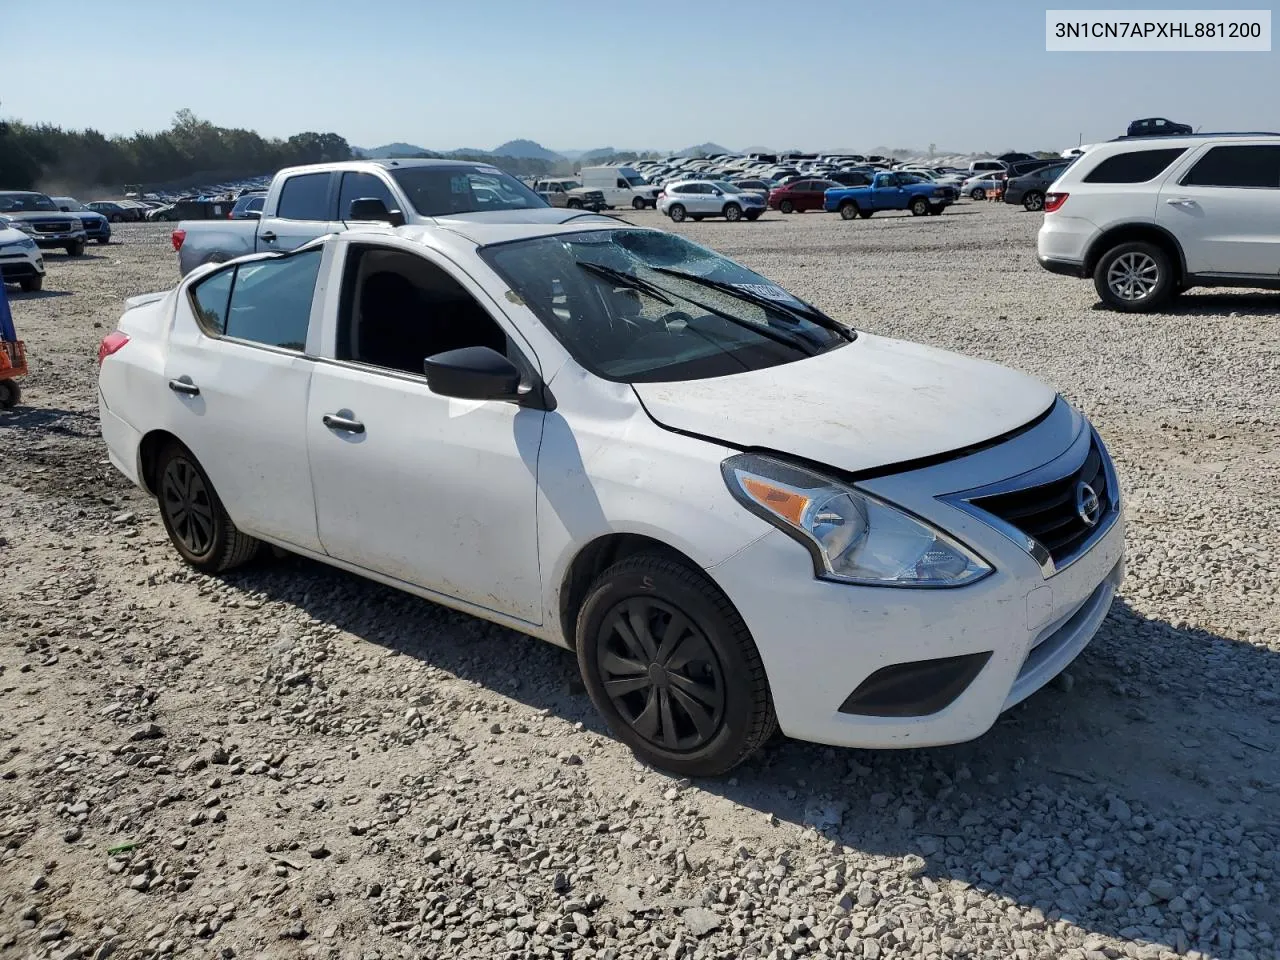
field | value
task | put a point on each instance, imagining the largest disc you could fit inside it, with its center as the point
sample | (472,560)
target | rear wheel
(978,193)
(786,206)
(676,212)
(637,203)
(10,394)
(848,210)
(935,209)
(31,284)
(753,215)
(919,207)
(194,517)
(672,667)
(1134,277)
(103,240)
(732,212)
(116,218)
(75,249)
(575,203)
(1033,200)
(865,214)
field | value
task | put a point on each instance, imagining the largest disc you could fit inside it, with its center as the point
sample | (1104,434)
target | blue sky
(629,74)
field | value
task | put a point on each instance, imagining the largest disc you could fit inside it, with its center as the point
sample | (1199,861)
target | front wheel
(848,210)
(103,241)
(196,521)
(10,394)
(935,209)
(865,214)
(1134,277)
(75,249)
(919,207)
(786,206)
(672,667)
(978,194)
(676,212)
(1033,201)
(575,204)
(732,212)
(31,284)
(754,215)
(116,218)
(637,203)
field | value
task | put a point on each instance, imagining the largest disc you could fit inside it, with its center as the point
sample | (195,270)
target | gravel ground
(290,761)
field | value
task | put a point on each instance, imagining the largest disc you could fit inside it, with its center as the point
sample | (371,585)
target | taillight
(110,344)
(1052,201)
(177,237)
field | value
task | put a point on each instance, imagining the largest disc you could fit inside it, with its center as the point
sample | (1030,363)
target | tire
(10,394)
(935,209)
(196,521)
(732,212)
(637,203)
(786,206)
(31,284)
(75,249)
(676,212)
(723,711)
(977,193)
(697,217)
(1134,277)
(116,218)
(919,207)
(1033,200)
(754,215)
(849,210)
(574,204)
(103,241)
(865,214)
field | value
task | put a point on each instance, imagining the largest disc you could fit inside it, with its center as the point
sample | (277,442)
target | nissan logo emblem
(1088,506)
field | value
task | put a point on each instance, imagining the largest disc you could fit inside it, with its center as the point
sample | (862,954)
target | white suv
(1150,217)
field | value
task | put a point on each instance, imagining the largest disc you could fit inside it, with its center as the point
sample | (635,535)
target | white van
(987,166)
(621,186)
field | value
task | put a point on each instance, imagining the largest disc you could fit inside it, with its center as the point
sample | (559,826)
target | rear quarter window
(1136,166)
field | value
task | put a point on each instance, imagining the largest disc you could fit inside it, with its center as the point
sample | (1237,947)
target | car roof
(1180,137)
(483,233)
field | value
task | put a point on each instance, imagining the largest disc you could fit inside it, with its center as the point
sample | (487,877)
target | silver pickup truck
(307,202)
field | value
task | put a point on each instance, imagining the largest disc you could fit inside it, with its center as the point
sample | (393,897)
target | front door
(432,491)
(1225,210)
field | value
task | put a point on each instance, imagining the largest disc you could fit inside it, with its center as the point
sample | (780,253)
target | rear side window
(362,186)
(305,197)
(264,301)
(1237,166)
(1137,166)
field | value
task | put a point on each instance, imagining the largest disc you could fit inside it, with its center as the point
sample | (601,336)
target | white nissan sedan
(737,511)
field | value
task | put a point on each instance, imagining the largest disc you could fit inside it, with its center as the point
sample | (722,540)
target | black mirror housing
(472,373)
(372,208)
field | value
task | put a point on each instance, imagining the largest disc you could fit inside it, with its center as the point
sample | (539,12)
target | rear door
(1223,204)
(239,371)
(304,211)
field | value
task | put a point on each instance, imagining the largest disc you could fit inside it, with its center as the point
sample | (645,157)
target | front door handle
(345,424)
(185,386)
(1180,201)
(267,237)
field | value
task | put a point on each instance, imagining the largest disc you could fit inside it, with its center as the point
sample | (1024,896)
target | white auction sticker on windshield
(769,290)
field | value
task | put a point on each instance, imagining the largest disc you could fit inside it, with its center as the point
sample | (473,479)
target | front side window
(305,197)
(398,308)
(262,301)
(1136,166)
(362,186)
(641,306)
(1237,166)
(438,191)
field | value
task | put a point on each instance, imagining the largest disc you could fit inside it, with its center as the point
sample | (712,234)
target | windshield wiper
(627,279)
(803,310)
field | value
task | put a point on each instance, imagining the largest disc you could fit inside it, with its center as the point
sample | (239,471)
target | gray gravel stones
(469,801)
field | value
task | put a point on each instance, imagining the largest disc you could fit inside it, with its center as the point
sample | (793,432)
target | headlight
(22,225)
(853,536)
(27,244)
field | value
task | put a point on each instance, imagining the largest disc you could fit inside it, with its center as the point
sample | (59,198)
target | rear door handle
(1181,201)
(267,237)
(184,385)
(345,424)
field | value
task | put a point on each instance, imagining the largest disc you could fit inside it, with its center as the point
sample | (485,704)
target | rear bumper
(122,441)
(1068,268)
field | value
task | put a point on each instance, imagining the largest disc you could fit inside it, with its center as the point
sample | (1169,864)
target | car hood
(10,235)
(35,215)
(551,215)
(86,215)
(870,404)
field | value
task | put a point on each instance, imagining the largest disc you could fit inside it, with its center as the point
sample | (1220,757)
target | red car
(800,195)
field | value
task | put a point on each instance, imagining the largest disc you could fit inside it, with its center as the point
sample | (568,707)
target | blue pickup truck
(890,191)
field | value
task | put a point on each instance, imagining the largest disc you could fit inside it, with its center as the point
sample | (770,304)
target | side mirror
(472,373)
(253,214)
(372,208)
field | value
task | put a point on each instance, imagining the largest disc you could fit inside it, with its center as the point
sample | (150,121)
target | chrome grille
(1059,514)
(51,226)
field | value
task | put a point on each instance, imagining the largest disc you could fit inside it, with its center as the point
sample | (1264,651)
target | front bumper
(821,641)
(52,241)
(97,230)
(20,266)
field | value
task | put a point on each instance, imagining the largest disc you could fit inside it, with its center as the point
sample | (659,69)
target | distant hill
(388,150)
(703,149)
(527,149)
